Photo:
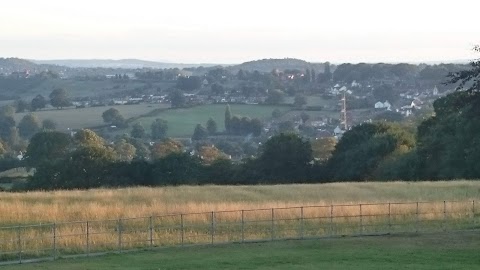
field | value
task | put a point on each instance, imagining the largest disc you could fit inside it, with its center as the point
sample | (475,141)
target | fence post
(444,216)
(243,227)
(19,244)
(416,220)
(120,235)
(88,238)
(473,213)
(212,228)
(273,225)
(389,218)
(302,223)
(181,229)
(331,220)
(361,219)
(54,235)
(150,228)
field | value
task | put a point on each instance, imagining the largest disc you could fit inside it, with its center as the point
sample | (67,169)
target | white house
(355,84)
(379,105)
(120,102)
(387,105)
(383,105)
(416,103)
(204,82)
(338,131)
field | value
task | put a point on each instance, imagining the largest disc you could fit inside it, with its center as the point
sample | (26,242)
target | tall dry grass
(99,204)
(214,214)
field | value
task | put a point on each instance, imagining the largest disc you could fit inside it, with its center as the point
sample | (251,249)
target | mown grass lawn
(182,122)
(89,117)
(430,251)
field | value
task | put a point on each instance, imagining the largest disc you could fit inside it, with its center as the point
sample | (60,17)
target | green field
(430,251)
(315,101)
(89,117)
(88,88)
(182,122)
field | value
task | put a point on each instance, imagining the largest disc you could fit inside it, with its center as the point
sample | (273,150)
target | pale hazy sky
(215,31)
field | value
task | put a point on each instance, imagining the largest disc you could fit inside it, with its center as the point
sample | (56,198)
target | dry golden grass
(56,206)
(140,217)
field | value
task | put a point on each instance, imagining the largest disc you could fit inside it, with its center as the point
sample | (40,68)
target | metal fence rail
(50,241)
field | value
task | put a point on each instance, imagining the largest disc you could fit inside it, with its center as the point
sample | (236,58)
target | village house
(383,105)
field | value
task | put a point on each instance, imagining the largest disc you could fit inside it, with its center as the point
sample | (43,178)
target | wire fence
(28,243)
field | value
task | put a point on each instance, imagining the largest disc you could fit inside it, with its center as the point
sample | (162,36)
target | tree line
(443,146)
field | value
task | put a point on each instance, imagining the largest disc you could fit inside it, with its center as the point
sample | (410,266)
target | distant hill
(8,65)
(267,65)
(122,63)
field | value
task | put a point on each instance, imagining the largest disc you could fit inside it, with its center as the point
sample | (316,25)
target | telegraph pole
(343,112)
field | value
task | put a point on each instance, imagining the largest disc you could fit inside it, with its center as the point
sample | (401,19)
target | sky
(228,32)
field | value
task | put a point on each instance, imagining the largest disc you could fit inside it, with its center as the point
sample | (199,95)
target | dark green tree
(275,97)
(200,133)
(6,123)
(389,116)
(469,76)
(308,76)
(305,117)
(287,127)
(211,126)
(21,106)
(385,92)
(7,111)
(87,167)
(228,119)
(256,127)
(49,124)
(59,98)
(313,74)
(38,102)
(363,149)
(13,139)
(448,142)
(29,125)
(112,116)
(327,75)
(177,99)
(189,83)
(285,158)
(217,89)
(177,169)
(138,131)
(300,101)
(47,147)
(159,129)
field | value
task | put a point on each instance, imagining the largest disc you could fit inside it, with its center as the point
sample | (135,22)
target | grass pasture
(91,116)
(420,252)
(182,122)
(89,88)
(120,219)
(315,101)
(98,204)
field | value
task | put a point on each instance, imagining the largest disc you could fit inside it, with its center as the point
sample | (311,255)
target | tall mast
(343,113)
